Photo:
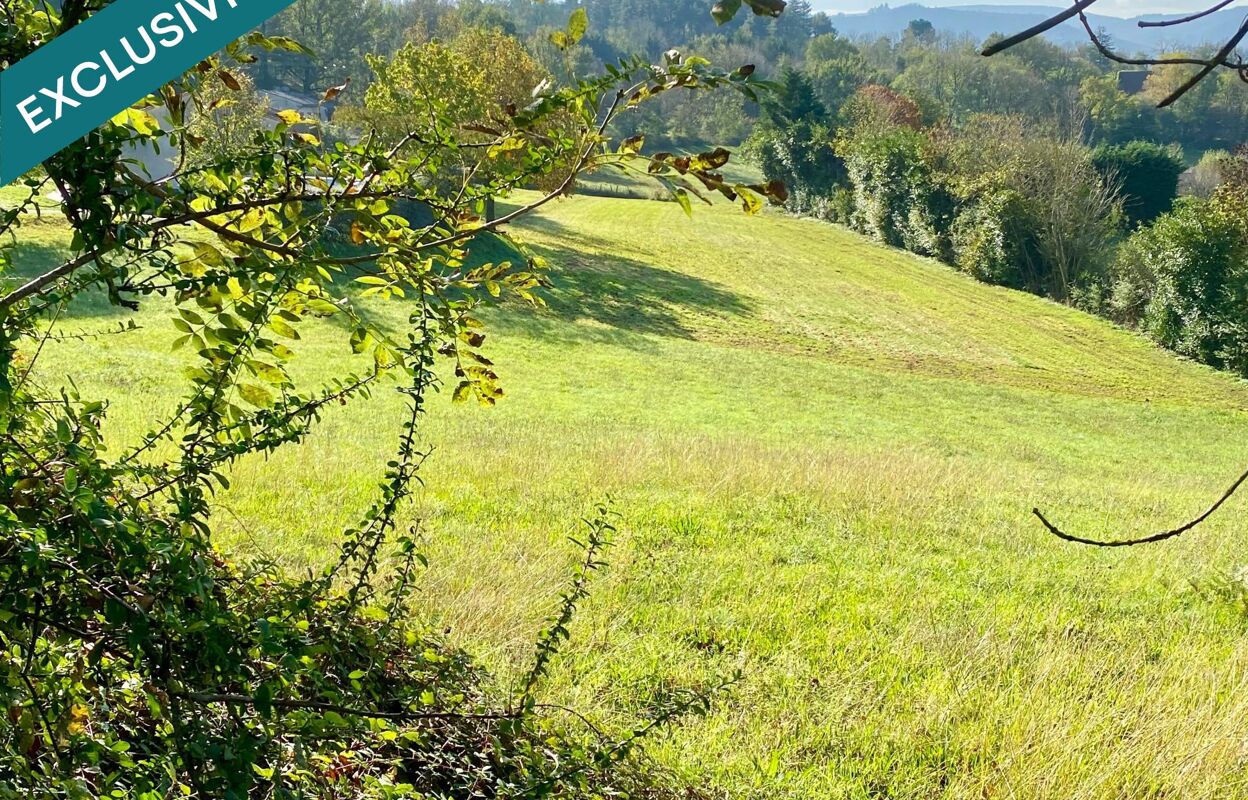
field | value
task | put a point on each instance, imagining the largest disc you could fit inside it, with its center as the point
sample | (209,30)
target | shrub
(988,239)
(224,121)
(1147,175)
(801,155)
(319,687)
(1184,282)
(1063,217)
(1204,178)
(895,197)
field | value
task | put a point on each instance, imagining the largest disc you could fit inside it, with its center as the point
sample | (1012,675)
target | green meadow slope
(824,454)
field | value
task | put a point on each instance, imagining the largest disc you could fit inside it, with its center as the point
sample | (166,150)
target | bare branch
(41,282)
(1157,537)
(1036,30)
(1214,63)
(1223,57)
(1166,23)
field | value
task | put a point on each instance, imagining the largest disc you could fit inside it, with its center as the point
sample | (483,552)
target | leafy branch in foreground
(138,660)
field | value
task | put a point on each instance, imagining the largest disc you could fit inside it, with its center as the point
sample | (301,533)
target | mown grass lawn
(824,455)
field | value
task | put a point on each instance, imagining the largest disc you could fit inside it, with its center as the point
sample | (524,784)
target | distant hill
(978,22)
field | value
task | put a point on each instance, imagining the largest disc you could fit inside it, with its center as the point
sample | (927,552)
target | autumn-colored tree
(879,107)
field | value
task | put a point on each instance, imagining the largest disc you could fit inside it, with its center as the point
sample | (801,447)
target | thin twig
(208,698)
(1157,537)
(1036,30)
(1166,23)
(1223,58)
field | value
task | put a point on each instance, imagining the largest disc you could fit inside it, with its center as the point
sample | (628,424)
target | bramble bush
(138,660)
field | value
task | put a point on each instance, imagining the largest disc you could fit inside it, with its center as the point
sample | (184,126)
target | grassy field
(824,455)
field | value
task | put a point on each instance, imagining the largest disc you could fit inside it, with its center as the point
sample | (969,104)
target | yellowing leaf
(253,219)
(290,117)
(322,308)
(332,92)
(138,120)
(208,254)
(256,395)
(79,715)
(578,24)
(268,372)
(750,202)
(283,329)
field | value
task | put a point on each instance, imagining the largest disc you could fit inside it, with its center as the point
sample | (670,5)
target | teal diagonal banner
(93,71)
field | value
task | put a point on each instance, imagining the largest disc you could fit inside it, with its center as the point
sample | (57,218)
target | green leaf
(264,700)
(360,340)
(268,372)
(322,307)
(383,357)
(140,121)
(283,329)
(578,24)
(725,10)
(682,197)
(256,395)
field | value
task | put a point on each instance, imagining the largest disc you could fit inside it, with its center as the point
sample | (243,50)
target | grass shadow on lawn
(34,258)
(628,296)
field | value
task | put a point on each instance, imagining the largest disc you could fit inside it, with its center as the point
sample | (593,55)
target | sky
(1115,8)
